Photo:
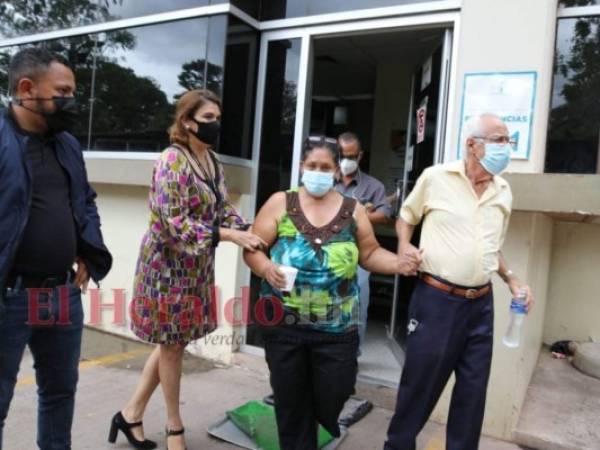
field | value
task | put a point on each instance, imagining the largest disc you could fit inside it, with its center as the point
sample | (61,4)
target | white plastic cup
(290,277)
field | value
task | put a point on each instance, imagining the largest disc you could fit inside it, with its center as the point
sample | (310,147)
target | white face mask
(317,183)
(348,166)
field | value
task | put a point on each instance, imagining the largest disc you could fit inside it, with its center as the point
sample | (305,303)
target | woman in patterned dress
(172,302)
(311,342)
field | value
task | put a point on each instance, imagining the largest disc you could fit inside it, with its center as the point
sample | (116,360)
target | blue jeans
(364,298)
(55,346)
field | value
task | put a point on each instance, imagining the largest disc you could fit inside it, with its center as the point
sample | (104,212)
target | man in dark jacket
(48,224)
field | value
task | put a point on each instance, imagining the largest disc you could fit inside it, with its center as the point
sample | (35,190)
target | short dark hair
(350,137)
(321,141)
(31,62)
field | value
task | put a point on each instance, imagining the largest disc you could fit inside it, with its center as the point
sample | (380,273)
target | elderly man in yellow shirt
(465,208)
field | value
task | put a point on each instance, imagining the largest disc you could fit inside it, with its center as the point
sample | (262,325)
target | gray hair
(474,127)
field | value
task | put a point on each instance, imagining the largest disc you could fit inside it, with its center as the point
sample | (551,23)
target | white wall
(508,35)
(574,292)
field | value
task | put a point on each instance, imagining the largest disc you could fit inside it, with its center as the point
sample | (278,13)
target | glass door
(424,147)
(282,114)
(278,132)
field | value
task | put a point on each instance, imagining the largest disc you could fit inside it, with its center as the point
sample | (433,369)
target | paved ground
(562,408)
(109,370)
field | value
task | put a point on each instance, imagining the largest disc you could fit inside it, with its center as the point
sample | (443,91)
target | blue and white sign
(510,95)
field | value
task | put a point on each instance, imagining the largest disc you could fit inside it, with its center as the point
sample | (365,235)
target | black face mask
(62,118)
(208,132)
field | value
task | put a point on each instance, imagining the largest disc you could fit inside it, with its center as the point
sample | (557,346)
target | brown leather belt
(451,289)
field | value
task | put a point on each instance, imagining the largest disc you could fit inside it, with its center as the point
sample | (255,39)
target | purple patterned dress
(174,276)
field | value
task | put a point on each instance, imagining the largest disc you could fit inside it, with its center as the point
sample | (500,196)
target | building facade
(403,74)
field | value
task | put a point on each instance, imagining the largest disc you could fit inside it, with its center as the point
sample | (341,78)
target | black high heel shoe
(173,433)
(119,423)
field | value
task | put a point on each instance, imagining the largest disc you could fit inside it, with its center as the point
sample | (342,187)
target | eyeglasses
(497,139)
(329,140)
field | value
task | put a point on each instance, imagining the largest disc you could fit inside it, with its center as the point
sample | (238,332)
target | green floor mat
(257,420)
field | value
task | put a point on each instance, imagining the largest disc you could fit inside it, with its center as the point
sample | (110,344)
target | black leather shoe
(120,424)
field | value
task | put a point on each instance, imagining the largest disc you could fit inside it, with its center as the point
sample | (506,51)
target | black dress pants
(453,334)
(312,375)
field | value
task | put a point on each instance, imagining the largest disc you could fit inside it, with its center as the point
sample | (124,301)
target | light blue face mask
(497,157)
(317,183)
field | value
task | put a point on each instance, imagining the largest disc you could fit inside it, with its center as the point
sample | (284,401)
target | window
(570,3)
(279,118)
(280,9)
(277,139)
(573,131)
(241,63)
(134,8)
(129,80)
(18,17)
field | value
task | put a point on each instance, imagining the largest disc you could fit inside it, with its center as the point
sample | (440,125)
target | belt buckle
(471,294)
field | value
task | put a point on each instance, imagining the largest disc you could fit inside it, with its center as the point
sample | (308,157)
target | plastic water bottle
(518,311)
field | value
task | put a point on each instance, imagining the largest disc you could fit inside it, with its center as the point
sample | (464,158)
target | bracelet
(216,235)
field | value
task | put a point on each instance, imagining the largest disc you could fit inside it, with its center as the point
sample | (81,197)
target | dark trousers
(55,349)
(312,376)
(453,334)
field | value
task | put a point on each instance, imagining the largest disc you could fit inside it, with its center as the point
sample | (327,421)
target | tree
(579,67)
(19,17)
(193,73)
(574,122)
(32,16)
(127,108)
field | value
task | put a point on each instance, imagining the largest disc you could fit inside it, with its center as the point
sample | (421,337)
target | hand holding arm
(265,229)
(409,256)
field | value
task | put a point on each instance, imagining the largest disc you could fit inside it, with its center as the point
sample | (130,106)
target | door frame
(308,34)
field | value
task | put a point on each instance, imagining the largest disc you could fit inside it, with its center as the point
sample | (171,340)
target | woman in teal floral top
(174,280)
(311,345)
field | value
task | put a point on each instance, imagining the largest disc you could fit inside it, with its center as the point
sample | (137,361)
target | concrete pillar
(509,36)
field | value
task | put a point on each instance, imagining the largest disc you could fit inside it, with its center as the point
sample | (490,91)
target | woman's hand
(274,276)
(245,239)
(409,259)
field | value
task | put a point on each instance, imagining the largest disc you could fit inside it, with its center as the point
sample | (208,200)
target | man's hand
(515,285)
(82,277)
(409,260)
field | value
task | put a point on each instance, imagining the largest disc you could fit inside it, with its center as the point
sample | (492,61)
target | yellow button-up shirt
(462,234)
